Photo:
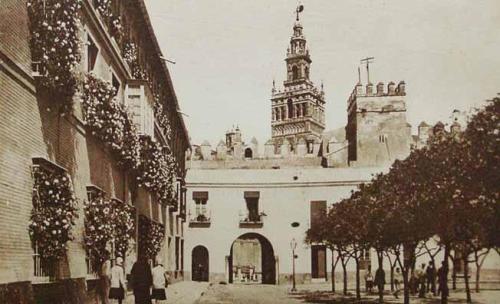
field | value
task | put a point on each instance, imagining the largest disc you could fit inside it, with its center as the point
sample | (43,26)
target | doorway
(252,260)
(199,264)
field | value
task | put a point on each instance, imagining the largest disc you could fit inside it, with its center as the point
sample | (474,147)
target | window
(290,108)
(252,203)
(92,52)
(116,84)
(310,147)
(318,209)
(41,268)
(295,73)
(382,138)
(201,200)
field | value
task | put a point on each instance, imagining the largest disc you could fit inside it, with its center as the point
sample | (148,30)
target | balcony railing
(200,220)
(254,221)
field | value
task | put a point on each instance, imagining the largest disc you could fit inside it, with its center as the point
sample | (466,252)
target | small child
(159,282)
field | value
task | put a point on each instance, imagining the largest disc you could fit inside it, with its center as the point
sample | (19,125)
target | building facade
(250,204)
(100,137)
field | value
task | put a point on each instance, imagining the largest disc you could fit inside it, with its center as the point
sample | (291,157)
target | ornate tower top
(297,111)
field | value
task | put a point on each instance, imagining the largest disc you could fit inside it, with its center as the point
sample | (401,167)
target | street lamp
(293,246)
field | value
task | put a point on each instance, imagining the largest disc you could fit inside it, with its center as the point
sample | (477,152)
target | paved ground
(270,294)
(247,294)
(185,292)
(203,293)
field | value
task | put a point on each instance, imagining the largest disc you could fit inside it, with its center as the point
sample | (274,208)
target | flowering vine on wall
(130,54)
(125,227)
(107,221)
(109,121)
(157,170)
(55,45)
(162,118)
(151,238)
(99,228)
(105,9)
(54,213)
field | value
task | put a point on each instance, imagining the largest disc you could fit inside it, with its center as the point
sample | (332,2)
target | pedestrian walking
(118,284)
(142,279)
(104,277)
(443,279)
(380,279)
(421,278)
(431,278)
(398,279)
(413,282)
(369,280)
(160,282)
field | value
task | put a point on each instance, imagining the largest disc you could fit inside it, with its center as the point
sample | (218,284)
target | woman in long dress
(142,280)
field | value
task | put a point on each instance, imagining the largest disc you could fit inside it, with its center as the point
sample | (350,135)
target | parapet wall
(370,90)
(276,163)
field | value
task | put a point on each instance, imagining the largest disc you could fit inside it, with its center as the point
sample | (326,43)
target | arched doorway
(251,260)
(199,264)
(248,153)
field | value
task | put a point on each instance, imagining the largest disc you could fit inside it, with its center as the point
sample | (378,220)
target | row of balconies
(203,220)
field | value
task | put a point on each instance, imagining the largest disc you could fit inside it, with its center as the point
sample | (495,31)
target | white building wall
(285,196)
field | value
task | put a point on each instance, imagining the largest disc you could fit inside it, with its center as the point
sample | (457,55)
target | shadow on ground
(324,297)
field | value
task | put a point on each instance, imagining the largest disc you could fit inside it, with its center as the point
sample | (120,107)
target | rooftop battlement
(379,90)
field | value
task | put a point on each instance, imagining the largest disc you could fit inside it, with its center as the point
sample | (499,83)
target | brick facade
(31,126)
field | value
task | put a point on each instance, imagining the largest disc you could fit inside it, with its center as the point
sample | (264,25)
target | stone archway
(199,264)
(251,260)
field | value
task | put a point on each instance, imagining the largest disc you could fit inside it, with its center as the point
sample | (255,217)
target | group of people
(421,281)
(147,283)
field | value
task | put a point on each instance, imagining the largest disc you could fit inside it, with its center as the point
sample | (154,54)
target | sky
(228,52)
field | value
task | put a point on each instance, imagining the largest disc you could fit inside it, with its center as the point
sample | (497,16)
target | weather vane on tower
(299,9)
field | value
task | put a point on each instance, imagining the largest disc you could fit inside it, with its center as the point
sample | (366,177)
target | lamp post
(293,245)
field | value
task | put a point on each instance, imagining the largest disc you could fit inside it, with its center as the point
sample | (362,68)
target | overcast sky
(228,53)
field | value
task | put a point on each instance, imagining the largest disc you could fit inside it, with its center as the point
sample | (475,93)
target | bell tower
(298,111)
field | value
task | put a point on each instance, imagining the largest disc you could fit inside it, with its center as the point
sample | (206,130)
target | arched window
(295,72)
(290,108)
(283,113)
(307,72)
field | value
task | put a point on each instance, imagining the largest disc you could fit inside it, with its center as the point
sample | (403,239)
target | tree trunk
(444,288)
(358,290)
(454,277)
(406,287)
(466,278)
(333,271)
(344,270)
(392,277)
(478,269)
(380,256)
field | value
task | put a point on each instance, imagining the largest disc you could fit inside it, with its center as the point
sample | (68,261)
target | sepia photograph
(249,151)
